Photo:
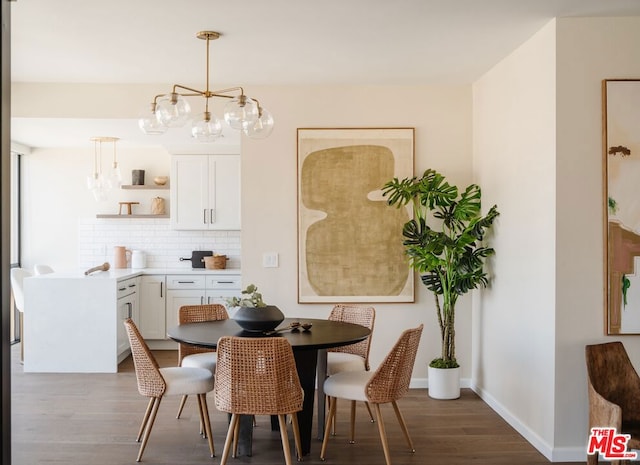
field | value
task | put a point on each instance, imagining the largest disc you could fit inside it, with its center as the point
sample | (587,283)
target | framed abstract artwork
(621,205)
(349,240)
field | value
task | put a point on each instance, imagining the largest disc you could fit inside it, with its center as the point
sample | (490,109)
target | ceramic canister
(138,259)
(120,256)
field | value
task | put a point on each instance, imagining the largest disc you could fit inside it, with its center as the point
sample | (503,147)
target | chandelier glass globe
(173,110)
(240,111)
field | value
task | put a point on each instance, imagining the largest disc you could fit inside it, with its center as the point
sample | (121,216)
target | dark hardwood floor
(81,419)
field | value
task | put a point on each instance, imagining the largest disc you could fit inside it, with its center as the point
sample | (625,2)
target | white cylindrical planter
(444,383)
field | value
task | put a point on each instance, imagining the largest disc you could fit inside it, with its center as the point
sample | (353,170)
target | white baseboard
(423,383)
(557,454)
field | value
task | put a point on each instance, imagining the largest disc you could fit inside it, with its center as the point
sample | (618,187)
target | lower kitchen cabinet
(198,290)
(75,322)
(128,307)
(153,296)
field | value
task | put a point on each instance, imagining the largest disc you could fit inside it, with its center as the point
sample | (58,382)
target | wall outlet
(270,260)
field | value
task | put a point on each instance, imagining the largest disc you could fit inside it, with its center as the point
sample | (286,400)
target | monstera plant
(444,242)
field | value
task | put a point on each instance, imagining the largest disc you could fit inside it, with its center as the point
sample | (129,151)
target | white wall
(514,163)
(440,114)
(589,50)
(442,118)
(548,137)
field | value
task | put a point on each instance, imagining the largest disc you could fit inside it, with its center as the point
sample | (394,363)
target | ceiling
(274,42)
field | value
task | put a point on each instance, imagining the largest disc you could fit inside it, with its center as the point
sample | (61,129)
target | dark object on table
(258,319)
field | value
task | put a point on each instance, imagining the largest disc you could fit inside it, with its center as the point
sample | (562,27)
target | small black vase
(258,319)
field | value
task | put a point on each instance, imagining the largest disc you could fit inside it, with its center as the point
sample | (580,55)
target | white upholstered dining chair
(385,385)
(155,383)
(353,357)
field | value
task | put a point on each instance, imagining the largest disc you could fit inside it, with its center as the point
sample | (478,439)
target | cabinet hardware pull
(161,289)
(224,282)
(186,282)
(132,285)
(213,216)
(122,288)
(201,300)
(130,308)
(204,216)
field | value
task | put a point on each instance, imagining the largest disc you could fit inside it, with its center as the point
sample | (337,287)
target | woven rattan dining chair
(155,382)
(258,376)
(353,357)
(614,393)
(386,385)
(193,356)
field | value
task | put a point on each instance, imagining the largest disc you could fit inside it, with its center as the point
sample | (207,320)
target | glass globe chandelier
(172,110)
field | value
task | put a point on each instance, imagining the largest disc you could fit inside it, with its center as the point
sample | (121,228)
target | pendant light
(97,182)
(172,109)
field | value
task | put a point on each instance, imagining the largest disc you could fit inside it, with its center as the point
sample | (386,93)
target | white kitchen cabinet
(76,321)
(152,320)
(220,288)
(128,299)
(205,192)
(198,290)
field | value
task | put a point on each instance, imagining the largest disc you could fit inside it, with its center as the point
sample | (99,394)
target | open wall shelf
(145,187)
(123,217)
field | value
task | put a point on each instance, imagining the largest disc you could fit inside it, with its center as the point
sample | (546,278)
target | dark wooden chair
(614,393)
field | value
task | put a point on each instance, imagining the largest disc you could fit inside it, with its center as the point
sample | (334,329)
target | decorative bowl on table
(258,319)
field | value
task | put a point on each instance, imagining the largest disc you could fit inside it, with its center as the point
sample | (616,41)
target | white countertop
(124,273)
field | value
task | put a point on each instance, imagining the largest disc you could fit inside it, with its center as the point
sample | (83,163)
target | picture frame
(621,178)
(349,240)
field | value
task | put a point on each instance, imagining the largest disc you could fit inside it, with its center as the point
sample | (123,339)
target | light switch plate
(270,260)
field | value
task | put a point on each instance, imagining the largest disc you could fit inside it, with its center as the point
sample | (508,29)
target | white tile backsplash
(162,245)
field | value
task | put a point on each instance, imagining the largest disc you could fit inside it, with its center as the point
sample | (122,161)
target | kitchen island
(74,322)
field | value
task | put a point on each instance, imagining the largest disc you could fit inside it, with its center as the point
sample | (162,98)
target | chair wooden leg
(333,422)
(182,402)
(282,421)
(383,434)
(327,428)
(370,412)
(149,425)
(203,433)
(403,425)
(207,422)
(296,435)
(228,440)
(236,436)
(352,430)
(145,418)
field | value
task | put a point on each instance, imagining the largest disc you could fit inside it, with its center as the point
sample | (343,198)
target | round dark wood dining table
(309,349)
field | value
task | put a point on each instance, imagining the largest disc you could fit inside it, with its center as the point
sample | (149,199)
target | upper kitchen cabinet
(205,192)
